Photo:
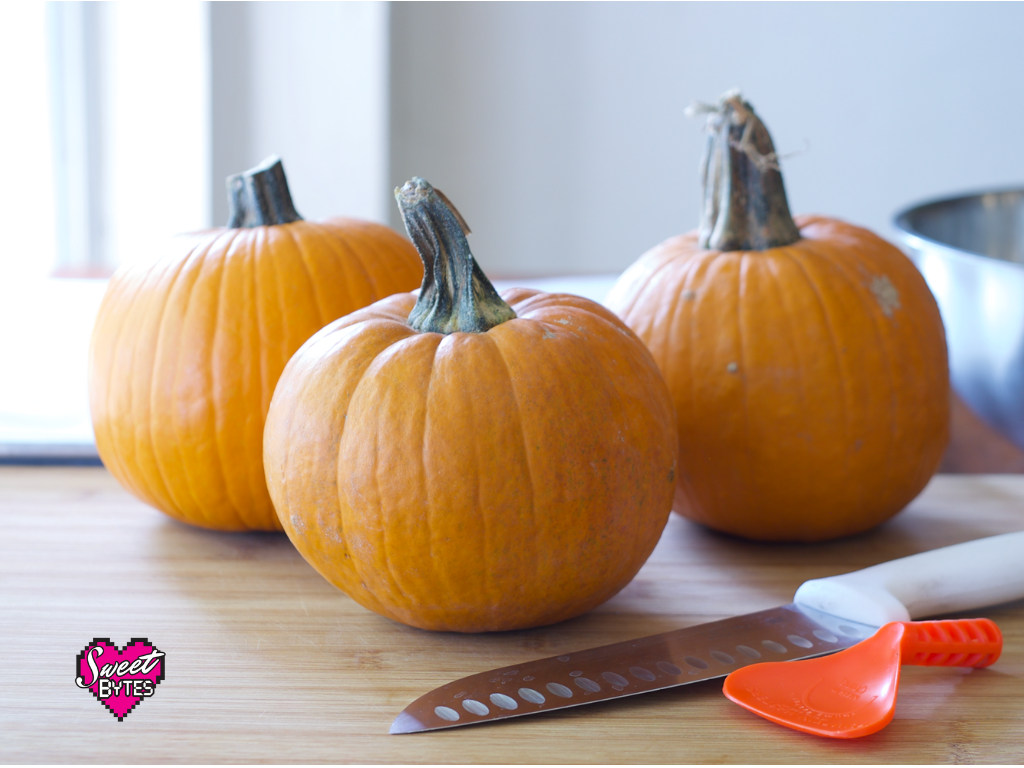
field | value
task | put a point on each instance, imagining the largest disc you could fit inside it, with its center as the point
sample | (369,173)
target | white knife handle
(948,580)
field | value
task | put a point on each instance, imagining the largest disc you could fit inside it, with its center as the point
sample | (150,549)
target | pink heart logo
(120,679)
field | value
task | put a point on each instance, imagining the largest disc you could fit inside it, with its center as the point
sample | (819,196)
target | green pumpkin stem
(456,294)
(260,197)
(744,204)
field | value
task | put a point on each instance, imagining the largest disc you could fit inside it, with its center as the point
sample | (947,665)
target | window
(109,154)
(122,121)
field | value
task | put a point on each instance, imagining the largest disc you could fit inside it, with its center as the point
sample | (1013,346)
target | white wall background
(558,128)
(308,82)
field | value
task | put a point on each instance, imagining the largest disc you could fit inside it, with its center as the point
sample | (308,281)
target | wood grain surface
(266,662)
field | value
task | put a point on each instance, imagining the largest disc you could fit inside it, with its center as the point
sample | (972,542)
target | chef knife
(826,615)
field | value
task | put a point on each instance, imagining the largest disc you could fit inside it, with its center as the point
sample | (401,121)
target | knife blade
(826,615)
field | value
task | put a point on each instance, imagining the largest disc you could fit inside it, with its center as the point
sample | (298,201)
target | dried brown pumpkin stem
(456,294)
(260,197)
(744,202)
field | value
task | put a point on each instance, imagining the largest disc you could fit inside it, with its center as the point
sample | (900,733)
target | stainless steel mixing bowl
(971,251)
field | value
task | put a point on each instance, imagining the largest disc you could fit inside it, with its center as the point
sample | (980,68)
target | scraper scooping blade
(853,693)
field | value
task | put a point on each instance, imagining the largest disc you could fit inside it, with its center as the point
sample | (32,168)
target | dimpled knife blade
(646,664)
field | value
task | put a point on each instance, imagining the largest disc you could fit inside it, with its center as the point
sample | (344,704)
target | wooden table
(266,662)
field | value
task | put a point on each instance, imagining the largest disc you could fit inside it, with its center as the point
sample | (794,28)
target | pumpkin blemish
(886,294)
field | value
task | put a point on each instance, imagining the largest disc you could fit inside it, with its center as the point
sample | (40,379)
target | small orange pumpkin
(456,462)
(186,350)
(807,359)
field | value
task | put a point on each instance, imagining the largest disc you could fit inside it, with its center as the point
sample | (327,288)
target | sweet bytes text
(140,666)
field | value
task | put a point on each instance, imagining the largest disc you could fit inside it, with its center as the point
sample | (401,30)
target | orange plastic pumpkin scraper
(853,693)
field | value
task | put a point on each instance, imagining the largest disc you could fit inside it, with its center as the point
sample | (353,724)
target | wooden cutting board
(266,662)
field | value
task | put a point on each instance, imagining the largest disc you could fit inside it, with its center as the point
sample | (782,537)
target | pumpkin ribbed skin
(186,352)
(474,481)
(810,381)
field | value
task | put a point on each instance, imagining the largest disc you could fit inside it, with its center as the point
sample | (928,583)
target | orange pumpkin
(187,349)
(456,462)
(807,359)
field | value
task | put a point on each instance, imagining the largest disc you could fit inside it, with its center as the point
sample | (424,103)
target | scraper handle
(957,578)
(955,643)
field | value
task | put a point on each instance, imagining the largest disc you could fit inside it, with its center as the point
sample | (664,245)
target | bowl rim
(901,221)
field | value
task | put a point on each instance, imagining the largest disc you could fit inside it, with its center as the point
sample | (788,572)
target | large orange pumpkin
(456,462)
(187,349)
(806,359)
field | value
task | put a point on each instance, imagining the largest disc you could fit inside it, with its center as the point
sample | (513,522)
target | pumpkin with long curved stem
(466,462)
(187,349)
(806,358)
